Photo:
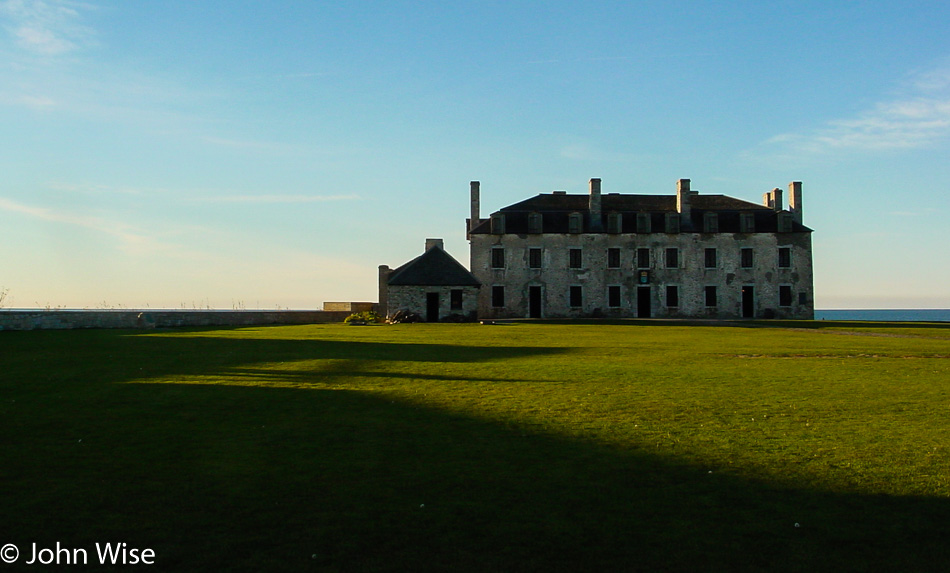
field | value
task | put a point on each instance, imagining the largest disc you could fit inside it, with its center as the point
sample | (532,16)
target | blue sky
(265,154)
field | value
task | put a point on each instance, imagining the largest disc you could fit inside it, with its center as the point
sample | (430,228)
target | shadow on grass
(277,479)
(347,369)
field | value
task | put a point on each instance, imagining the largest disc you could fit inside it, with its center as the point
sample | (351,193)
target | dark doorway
(432,307)
(748,302)
(534,302)
(644,309)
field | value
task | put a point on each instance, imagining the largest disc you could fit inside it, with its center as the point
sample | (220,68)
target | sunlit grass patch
(467,447)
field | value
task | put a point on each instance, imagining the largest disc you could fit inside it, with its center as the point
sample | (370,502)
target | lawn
(633,446)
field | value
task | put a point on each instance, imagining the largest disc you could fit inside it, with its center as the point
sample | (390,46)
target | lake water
(886,315)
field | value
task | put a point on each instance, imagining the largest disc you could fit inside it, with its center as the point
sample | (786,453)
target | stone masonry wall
(413,298)
(690,276)
(68,319)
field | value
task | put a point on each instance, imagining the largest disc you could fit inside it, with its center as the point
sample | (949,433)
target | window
(456,299)
(574,258)
(802,298)
(643,222)
(711,258)
(498,224)
(672,258)
(575,223)
(784,295)
(643,258)
(534,222)
(746,222)
(746,258)
(534,258)
(711,297)
(672,222)
(710,222)
(497,296)
(613,258)
(613,296)
(672,296)
(498,258)
(784,257)
(614,223)
(577,296)
(784,222)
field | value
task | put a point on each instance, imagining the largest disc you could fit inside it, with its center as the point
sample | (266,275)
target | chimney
(683,202)
(430,243)
(682,197)
(773,199)
(384,272)
(476,206)
(596,217)
(795,200)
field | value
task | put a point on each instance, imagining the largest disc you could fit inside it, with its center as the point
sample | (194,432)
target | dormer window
(710,222)
(672,223)
(784,222)
(498,224)
(643,223)
(534,223)
(614,223)
(575,223)
(746,222)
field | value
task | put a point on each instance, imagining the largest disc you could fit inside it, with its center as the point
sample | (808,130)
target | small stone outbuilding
(433,285)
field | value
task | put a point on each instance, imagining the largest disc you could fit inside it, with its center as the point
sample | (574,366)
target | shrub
(404,316)
(365,317)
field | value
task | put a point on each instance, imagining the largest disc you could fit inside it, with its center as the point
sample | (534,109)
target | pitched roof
(617,202)
(434,267)
(555,209)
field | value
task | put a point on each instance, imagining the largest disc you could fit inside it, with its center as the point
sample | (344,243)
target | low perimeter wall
(66,319)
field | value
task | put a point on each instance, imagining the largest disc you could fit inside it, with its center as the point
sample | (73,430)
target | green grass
(514,447)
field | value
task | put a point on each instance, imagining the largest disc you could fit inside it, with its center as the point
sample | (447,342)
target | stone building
(433,285)
(685,255)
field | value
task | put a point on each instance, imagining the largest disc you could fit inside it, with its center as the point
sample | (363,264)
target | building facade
(433,286)
(686,255)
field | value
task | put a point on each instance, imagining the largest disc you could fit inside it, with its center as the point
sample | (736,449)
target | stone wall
(68,319)
(415,299)
(350,306)
(690,277)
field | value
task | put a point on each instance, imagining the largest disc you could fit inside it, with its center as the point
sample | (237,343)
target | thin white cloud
(195,195)
(253,145)
(97,189)
(892,125)
(36,102)
(277,199)
(933,80)
(131,240)
(46,27)
(918,118)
